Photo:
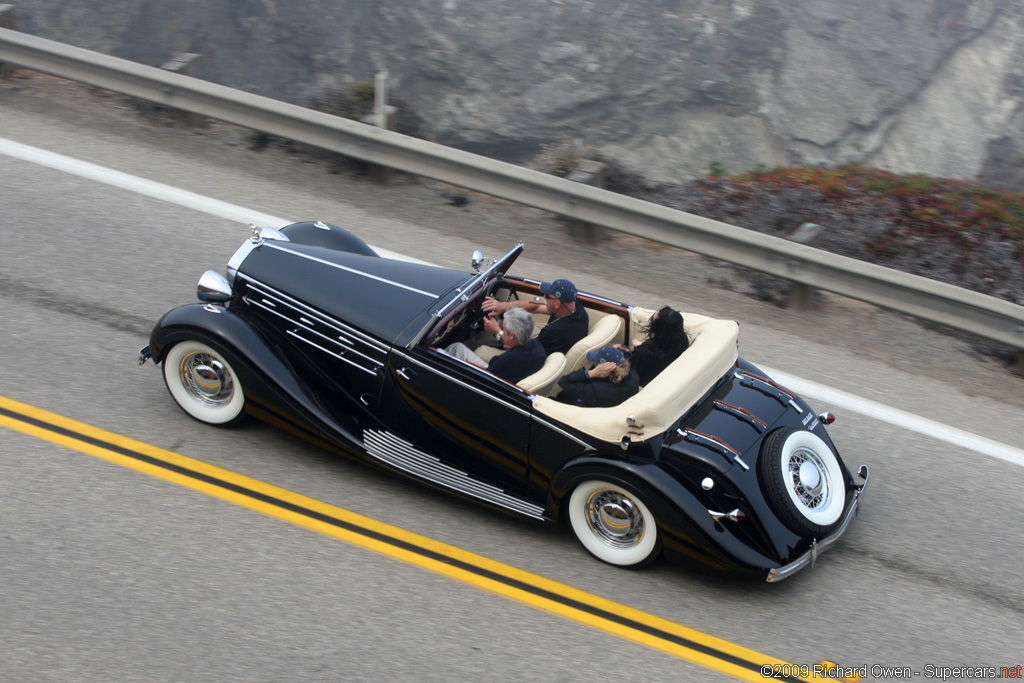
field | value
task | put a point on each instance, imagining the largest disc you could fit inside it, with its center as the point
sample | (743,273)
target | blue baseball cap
(561,289)
(606,354)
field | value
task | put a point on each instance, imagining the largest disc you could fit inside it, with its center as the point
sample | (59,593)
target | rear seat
(713,352)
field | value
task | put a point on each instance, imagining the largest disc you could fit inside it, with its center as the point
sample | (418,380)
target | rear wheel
(203,383)
(803,481)
(613,524)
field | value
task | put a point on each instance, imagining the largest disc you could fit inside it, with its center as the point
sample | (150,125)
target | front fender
(688,531)
(271,389)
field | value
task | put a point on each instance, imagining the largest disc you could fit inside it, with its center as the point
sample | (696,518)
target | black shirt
(518,362)
(648,363)
(580,390)
(561,333)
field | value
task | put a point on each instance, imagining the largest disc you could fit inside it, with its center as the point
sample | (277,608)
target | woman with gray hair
(522,356)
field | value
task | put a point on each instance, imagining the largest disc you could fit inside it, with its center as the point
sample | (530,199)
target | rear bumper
(817,547)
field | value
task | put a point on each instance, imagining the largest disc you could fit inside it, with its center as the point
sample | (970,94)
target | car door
(462,427)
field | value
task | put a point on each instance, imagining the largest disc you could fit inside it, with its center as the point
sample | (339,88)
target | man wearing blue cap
(568,322)
(608,383)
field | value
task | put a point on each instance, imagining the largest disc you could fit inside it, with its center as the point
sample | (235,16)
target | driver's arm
(492,305)
(491,324)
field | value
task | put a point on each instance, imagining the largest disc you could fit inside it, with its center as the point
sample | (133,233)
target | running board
(402,455)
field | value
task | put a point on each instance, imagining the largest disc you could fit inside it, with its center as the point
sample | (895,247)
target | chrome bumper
(144,354)
(808,558)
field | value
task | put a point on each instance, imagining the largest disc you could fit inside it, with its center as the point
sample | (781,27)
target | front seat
(541,381)
(607,330)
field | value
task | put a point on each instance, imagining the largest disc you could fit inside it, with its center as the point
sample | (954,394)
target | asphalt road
(107,574)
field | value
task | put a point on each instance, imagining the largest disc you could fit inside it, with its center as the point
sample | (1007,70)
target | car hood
(382,296)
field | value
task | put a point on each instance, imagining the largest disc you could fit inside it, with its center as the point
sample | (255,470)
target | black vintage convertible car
(712,461)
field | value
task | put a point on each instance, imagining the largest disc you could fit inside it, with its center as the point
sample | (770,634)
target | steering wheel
(497,284)
(479,313)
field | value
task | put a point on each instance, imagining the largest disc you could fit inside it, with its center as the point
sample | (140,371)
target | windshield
(465,292)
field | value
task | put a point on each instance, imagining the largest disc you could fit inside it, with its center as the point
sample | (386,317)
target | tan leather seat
(712,353)
(541,381)
(607,330)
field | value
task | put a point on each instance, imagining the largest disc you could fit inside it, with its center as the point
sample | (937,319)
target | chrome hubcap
(615,519)
(206,379)
(809,478)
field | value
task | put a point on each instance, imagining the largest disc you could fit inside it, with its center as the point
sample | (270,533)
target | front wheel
(613,524)
(204,384)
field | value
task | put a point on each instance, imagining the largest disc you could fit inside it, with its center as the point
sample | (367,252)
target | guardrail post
(186,64)
(6,21)
(804,297)
(588,172)
(381,118)
(380,99)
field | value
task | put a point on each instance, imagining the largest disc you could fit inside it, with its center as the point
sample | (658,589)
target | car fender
(320,234)
(270,387)
(688,530)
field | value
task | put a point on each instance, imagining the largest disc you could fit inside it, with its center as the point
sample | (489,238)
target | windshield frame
(463,294)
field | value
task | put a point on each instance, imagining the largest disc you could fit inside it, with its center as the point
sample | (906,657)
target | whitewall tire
(803,481)
(203,383)
(613,524)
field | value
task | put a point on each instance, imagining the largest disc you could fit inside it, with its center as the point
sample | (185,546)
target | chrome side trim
(723,448)
(339,342)
(818,547)
(351,270)
(741,413)
(768,388)
(401,454)
(340,357)
(294,333)
(309,310)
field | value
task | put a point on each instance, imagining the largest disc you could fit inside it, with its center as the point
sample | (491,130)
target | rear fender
(688,531)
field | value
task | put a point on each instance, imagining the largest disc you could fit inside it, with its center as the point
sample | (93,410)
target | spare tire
(803,481)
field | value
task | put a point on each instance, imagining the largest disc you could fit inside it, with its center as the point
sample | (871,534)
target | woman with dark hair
(666,341)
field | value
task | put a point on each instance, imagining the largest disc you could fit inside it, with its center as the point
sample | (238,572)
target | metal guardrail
(923,298)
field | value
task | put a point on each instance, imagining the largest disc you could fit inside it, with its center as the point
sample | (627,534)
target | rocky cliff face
(667,88)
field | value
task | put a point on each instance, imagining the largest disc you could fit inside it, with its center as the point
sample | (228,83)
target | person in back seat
(609,383)
(666,341)
(568,322)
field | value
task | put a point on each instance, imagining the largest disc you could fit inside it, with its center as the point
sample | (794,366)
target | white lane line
(804,387)
(149,188)
(900,418)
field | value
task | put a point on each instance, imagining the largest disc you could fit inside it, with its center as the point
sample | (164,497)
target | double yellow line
(556,598)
